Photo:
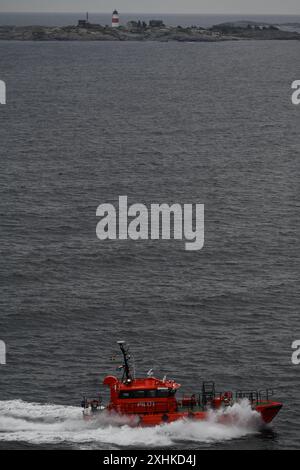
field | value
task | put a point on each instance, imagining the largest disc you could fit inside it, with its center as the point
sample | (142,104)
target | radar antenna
(127,377)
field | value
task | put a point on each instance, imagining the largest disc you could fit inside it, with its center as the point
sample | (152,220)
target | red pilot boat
(150,401)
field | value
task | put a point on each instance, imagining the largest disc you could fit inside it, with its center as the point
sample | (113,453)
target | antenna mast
(126,365)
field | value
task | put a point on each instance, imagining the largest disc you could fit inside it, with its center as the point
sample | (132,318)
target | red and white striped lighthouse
(115,22)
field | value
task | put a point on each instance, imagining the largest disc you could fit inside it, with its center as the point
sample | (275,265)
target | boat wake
(38,424)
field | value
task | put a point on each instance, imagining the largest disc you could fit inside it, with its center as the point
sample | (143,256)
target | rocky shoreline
(90,32)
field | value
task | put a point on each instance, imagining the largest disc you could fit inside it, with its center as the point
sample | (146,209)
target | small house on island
(156,24)
(86,23)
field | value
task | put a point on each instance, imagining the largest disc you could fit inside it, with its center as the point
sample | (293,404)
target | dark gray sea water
(208,123)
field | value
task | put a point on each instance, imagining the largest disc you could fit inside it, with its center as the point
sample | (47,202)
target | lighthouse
(115,22)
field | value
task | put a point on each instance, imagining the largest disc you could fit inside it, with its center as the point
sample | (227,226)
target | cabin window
(125,395)
(139,394)
(156,393)
(162,393)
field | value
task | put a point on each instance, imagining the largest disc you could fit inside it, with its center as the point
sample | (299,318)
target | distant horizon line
(147,13)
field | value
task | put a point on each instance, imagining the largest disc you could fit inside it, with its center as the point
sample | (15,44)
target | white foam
(50,424)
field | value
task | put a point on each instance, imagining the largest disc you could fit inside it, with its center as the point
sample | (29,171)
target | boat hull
(267,411)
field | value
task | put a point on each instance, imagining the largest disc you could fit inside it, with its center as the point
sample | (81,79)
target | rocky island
(154,31)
